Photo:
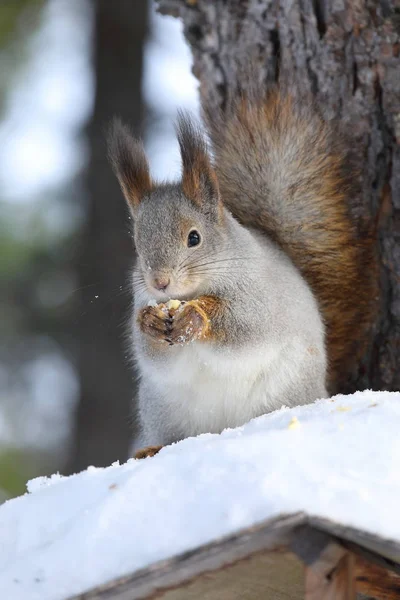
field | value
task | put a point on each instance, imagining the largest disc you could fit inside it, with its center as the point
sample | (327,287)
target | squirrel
(276,280)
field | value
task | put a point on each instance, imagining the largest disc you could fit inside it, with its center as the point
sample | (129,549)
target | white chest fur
(205,390)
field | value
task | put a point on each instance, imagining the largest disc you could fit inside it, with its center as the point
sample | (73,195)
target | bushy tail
(282,169)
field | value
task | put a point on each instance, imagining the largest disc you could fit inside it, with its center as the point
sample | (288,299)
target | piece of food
(294,423)
(174,304)
(171,307)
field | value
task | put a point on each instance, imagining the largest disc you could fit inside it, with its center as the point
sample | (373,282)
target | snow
(335,458)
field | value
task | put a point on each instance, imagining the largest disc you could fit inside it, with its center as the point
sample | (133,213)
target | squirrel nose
(161,283)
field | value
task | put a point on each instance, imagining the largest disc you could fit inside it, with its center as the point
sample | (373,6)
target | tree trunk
(105,258)
(346,53)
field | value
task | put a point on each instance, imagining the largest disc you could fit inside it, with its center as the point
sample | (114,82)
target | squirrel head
(179,229)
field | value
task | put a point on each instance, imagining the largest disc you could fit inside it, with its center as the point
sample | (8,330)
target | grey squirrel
(275,279)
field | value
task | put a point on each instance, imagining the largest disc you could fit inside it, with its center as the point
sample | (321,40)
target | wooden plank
(329,573)
(377,545)
(375,581)
(275,575)
(180,570)
(332,578)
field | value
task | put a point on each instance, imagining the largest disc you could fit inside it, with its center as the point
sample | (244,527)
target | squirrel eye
(193,238)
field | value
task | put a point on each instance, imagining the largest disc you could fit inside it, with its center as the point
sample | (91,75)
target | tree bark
(346,53)
(103,430)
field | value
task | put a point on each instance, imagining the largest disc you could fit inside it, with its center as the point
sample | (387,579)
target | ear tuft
(199,181)
(129,162)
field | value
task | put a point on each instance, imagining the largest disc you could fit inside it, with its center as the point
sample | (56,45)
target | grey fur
(274,351)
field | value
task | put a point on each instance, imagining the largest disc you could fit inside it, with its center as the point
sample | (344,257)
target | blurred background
(67,66)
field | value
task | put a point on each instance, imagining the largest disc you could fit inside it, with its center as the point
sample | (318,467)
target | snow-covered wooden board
(335,460)
(270,560)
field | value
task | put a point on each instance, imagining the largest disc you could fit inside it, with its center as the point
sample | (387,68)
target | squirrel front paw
(178,325)
(153,322)
(188,323)
(147,452)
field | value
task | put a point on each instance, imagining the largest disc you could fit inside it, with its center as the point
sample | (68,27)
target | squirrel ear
(199,181)
(129,162)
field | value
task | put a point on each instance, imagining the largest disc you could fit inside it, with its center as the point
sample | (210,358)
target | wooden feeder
(287,558)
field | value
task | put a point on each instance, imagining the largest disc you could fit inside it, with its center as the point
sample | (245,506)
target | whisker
(221,260)
(210,268)
(84,287)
